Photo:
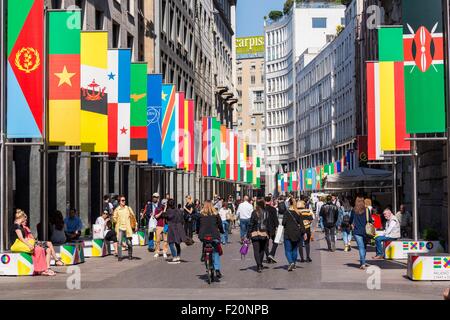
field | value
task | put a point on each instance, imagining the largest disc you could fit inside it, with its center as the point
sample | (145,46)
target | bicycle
(208,250)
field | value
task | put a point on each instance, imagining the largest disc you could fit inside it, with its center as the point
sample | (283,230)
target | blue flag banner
(154,89)
(168,98)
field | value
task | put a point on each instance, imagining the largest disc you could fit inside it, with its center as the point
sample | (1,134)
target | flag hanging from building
(189,148)
(25,69)
(206,146)
(179,129)
(154,89)
(258,173)
(216,148)
(279,183)
(373,112)
(138,113)
(392,90)
(424,70)
(168,99)
(244,161)
(223,151)
(230,155)
(318,175)
(119,68)
(249,170)
(64,106)
(94,97)
(301,179)
(309,183)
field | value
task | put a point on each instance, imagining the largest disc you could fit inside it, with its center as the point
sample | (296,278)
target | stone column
(132,191)
(84,190)
(35,188)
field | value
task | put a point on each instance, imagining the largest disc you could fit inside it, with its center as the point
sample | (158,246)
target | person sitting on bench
(392,232)
(73,226)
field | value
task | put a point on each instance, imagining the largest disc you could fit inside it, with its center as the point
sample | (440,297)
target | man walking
(244,213)
(272,225)
(329,214)
(152,209)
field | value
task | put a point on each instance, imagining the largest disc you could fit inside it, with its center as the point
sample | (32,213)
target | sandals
(49,273)
(61,264)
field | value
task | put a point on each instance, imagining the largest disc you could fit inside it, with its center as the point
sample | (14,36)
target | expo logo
(5,259)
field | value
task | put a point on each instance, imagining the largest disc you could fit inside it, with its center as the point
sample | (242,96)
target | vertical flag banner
(282,185)
(318,173)
(64,106)
(179,145)
(235,157)
(309,179)
(189,135)
(223,151)
(138,113)
(392,90)
(285,181)
(294,181)
(258,173)
(25,72)
(301,178)
(424,66)
(168,125)
(154,119)
(230,155)
(244,161)
(239,159)
(373,111)
(215,141)
(205,146)
(94,98)
(119,73)
(254,169)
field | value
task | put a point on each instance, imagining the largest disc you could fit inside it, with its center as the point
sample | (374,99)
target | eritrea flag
(64,106)
(25,72)
(424,66)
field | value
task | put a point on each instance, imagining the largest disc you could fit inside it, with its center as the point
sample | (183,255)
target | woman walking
(211,226)
(308,218)
(344,224)
(188,212)
(294,230)
(176,234)
(126,223)
(225,216)
(358,220)
(258,234)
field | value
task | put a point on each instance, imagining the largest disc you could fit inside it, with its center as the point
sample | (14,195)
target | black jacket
(282,208)
(294,226)
(258,223)
(272,223)
(210,226)
(329,213)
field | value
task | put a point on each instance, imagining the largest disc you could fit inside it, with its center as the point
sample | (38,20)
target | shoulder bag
(370,229)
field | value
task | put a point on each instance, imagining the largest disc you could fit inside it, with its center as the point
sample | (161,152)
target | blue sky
(250,15)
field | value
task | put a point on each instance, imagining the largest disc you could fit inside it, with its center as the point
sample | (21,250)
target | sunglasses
(122,200)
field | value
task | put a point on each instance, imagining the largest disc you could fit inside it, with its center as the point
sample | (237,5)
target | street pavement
(331,275)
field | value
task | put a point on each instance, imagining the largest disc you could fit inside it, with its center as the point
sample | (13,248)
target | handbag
(133,222)
(229,215)
(166,228)
(244,249)
(152,224)
(97,231)
(19,246)
(370,229)
(279,235)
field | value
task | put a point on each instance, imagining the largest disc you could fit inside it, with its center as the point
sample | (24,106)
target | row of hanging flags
(406,86)
(313,178)
(101,101)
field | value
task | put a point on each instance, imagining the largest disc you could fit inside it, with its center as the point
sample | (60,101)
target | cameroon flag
(138,143)
(25,73)
(94,99)
(64,41)
(424,66)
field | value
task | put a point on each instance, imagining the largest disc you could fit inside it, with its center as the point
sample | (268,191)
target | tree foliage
(275,15)
(288,6)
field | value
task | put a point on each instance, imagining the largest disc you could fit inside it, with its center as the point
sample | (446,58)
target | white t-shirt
(223,213)
(245,210)
(102,222)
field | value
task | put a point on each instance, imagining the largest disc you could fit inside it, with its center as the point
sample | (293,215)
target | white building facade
(306,26)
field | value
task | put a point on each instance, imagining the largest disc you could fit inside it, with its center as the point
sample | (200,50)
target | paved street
(329,276)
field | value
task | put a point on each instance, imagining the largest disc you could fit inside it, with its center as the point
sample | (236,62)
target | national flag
(294,182)
(188,150)
(279,183)
(373,111)
(25,68)
(230,155)
(254,168)
(244,161)
(179,145)
(119,69)
(215,141)
(437,263)
(249,170)
(282,184)
(94,95)
(258,173)
(223,151)
(392,90)
(154,119)
(239,158)
(285,181)
(206,147)
(64,105)
(424,70)
(138,122)
(168,101)
(301,178)
(236,157)
(318,174)
(350,159)
(308,179)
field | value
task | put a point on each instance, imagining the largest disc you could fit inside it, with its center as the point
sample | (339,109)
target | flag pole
(3,209)
(394,184)
(446,7)
(414,190)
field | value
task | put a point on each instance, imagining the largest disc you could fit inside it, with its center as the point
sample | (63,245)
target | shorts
(111,236)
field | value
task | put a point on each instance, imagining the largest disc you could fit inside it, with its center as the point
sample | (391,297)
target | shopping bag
(244,249)
(279,235)
(97,231)
(19,246)
(152,224)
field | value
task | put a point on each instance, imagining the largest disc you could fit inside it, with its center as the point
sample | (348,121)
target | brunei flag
(64,28)
(138,122)
(25,68)
(169,103)
(94,98)
(424,69)
(119,73)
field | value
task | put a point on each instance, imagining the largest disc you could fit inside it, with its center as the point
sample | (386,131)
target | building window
(253,80)
(319,23)
(343,21)
(239,80)
(239,122)
(130,7)
(253,121)
(130,41)
(115,35)
(98,20)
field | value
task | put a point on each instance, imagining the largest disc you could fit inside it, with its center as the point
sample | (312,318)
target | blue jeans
(244,223)
(290,250)
(321,223)
(216,257)
(175,249)
(224,236)
(379,244)
(361,241)
(346,237)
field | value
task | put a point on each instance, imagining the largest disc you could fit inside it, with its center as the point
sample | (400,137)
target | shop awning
(359,178)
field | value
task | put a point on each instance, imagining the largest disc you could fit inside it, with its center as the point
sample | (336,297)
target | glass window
(319,23)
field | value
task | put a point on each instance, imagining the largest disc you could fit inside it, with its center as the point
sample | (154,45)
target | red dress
(38,256)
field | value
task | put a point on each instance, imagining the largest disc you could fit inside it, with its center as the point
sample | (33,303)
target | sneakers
(175,260)
(308,259)
(156,255)
(378,258)
(302,260)
(346,249)
(272,259)
(218,274)
(165,256)
(291,267)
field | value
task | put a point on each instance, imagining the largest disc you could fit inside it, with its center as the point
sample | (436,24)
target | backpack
(345,220)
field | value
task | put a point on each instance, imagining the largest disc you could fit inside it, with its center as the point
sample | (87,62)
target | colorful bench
(16,264)
(399,249)
(429,267)
(95,248)
(70,253)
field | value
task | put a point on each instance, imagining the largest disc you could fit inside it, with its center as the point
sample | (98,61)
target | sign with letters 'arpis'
(250,45)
